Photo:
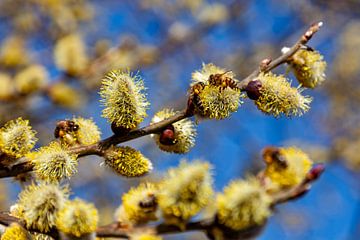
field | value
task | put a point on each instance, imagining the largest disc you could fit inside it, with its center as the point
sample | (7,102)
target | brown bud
(315,172)
(119,130)
(253,89)
(264,63)
(167,136)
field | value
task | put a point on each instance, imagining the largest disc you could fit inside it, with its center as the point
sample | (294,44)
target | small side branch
(267,65)
(99,148)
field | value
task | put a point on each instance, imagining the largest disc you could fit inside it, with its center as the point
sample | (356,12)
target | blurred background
(165,40)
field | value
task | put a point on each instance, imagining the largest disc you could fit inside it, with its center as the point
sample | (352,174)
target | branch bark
(100,147)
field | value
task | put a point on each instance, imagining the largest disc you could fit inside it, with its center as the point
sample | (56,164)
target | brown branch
(298,191)
(267,65)
(99,148)
(116,230)
(6,219)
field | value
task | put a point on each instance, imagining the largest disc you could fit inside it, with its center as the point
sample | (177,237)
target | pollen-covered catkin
(70,54)
(124,99)
(88,132)
(139,205)
(65,95)
(183,133)
(17,138)
(77,218)
(287,171)
(53,163)
(31,79)
(277,97)
(15,232)
(244,203)
(309,67)
(39,204)
(185,191)
(214,92)
(127,161)
(7,88)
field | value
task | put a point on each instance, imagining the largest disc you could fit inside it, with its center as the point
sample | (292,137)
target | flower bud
(52,163)
(39,205)
(253,89)
(17,138)
(139,205)
(70,54)
(31,79)
(65,96)
(15,232)
(127,161)
(178,137)
(308,67)
(123,98)
(214,92)
(77,218)
(277,97)
(243,204)
(185,191)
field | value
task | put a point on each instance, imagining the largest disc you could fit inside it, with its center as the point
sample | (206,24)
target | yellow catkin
(17,138)
(70,54)
(214,92)
(39,204)
(184,133)
(87,133)
(31,79)
(13,52)
(123,98)
(77,218)
(66,96)
(243,204)
(15,232)
(7,88)
(308,67)
(213,13)
(297,165)
(139,205)
(277,97)
(127,161)
(52,163)
(185,191)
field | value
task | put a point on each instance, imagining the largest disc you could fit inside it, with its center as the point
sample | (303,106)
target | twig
(99,148)
(267,65)
(207,225)
(302,188)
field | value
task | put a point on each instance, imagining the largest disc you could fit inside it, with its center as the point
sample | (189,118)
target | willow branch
(116,230)
(267,65)
(99,148)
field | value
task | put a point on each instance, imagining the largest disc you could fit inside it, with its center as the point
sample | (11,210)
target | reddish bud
(264,63)
(253,89)
(315,172)
(167,136)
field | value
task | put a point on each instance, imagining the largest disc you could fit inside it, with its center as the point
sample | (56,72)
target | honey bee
(273,155)
(221,80)
(149,204)
(194,95)
(65,126)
